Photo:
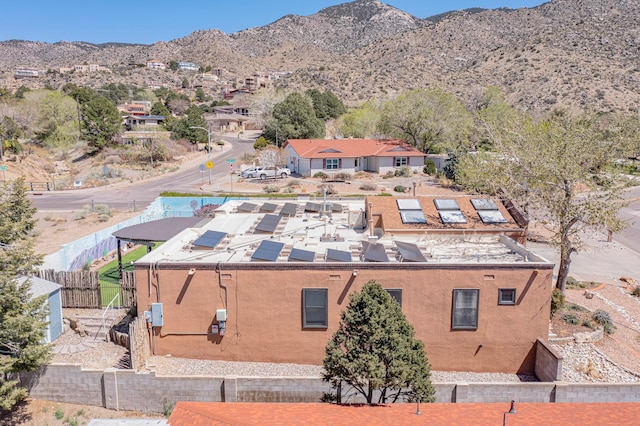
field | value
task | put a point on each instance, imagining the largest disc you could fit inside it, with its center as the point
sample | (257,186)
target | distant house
(155,64)
(40,287)
(90,68)
(143,120)
(189,66)
(332,156)
(28,73)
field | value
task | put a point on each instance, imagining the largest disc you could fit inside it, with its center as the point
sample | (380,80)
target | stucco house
(266,280)
(334,156)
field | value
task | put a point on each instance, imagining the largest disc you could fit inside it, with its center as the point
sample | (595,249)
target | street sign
(209,164)
(202,168)
(3,167)
(231,160)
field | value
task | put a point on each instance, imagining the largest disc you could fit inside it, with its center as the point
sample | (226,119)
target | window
(401,161)
(332,164)
(315,308)
(506,296)
(464,315)
(396,294)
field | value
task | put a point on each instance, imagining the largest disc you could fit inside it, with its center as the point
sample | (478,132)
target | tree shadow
(19,415)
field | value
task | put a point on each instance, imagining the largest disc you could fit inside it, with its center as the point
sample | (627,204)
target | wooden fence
(82,289)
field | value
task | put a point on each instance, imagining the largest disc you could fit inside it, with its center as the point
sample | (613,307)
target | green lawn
(109,277)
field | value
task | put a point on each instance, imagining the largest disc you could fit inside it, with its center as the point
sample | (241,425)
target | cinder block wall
(128,390)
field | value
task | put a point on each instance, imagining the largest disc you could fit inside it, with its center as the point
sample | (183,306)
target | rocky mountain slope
(565,53)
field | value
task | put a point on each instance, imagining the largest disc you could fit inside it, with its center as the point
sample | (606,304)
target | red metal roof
(352,148)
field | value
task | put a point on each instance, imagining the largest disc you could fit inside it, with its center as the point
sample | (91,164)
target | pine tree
(22,319)
(374,350)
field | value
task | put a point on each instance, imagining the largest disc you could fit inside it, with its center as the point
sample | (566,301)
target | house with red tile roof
(336,156)
(221,413)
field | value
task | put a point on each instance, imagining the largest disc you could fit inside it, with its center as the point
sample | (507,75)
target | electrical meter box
(157,318)
(221,315)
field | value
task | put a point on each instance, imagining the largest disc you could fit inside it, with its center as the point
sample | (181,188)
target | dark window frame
(332,164)
(398,292)
(315,325)
(472,325)
(502,300)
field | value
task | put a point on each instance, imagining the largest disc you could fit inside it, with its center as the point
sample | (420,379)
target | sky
(146,22)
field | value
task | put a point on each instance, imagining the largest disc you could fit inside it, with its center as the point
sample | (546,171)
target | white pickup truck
(273,172)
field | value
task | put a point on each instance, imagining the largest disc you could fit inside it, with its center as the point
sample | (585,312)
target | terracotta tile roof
(352,148)
(221,413)
(387,207)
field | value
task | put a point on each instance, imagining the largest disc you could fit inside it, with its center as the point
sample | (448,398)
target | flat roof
(325,232)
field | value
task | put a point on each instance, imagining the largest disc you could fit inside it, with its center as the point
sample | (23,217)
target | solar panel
(408,204)
(336,208)
(289,209)
(483,204)
(491,216)
(302,255)
(410,252)
(446,204)
(268,207)
(210,239)
(412,216)
(269,223)
(313,207)
(338,256)
(374,252)
(268,251)
(452,216)
(247,207)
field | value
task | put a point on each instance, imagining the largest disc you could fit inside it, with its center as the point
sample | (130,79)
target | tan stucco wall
(265,313)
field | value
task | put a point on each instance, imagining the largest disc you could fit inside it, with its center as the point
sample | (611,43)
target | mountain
(564,53)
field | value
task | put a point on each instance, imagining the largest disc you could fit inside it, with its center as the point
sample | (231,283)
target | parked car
(251,172)
(273,172)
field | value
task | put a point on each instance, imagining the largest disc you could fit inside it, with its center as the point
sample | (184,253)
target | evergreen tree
(294,118)
(374,350)
(22,319)
(101,121)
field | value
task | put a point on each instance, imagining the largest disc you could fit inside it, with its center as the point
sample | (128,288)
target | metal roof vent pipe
(512,410)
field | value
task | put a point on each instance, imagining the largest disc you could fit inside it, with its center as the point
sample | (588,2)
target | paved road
(136,196)
(631,235)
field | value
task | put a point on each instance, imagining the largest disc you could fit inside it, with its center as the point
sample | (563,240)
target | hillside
(565,53)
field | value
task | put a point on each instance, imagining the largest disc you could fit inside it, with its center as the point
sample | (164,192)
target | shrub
(271,189)
(328,188)
(288,190)
(388,175)
(403,171)
(636,291)
(368,187)
(572,282)
(320,175)
(557,301)
(293,182)
(604,319)
(384,194)
(577,308)
(429,167)
(342,177)
(399,188)
(570,319)
(589,324)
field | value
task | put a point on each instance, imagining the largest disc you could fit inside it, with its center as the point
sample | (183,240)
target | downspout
(219,269)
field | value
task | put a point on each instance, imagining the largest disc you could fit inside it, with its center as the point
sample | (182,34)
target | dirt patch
(40,412)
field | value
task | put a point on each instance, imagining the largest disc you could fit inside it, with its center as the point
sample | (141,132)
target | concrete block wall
(548,363)
(279,389)
(497,392)
(128,390)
